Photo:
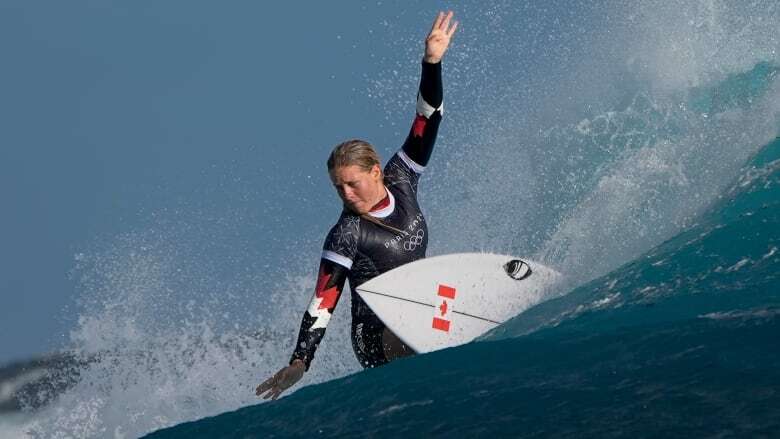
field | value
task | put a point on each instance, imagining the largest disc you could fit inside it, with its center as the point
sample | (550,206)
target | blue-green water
(683,341)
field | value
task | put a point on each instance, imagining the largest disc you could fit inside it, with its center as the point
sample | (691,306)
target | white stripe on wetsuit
(427,109)
(416,167)
(337,258)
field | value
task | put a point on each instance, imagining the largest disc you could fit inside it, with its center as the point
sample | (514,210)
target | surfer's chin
(356,209)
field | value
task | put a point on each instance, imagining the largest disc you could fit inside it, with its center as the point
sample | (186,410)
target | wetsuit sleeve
(338,252)
(416,150)
(330,284)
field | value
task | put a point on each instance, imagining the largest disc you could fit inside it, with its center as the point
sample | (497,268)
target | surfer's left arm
(330,282)
(430,98)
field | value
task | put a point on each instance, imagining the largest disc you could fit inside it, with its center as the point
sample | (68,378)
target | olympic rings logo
(415,241)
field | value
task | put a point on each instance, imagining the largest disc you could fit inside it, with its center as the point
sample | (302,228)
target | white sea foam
(742,314)
(15,426)
(676,45)
(399,407)
(741,263)
(160,350)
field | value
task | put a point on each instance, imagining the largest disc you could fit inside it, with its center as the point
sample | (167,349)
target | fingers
(442,21)
(266,390)
(272,387)
(452,30)
(437,21)
(442,24)
(267,385)
(272,392)
(263,387)
(445,24)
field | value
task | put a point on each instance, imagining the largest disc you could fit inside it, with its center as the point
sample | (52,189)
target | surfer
(380,228)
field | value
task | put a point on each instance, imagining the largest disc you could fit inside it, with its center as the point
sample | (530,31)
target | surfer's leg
(367,341)
(393,346)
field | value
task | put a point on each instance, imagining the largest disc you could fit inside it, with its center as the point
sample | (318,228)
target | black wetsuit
(359,249)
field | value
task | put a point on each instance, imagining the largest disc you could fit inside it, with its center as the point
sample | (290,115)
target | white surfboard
(448,300)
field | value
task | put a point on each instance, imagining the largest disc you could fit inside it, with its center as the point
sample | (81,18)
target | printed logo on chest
(413,235)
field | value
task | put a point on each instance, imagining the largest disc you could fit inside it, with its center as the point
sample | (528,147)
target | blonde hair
(353,152)
(361,154)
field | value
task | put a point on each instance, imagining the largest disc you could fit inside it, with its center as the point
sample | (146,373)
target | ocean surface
(647,172)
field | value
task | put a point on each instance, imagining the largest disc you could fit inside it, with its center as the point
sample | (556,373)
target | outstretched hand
(439,38)
(281,381)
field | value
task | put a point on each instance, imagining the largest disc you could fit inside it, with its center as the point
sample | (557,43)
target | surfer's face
(360,190)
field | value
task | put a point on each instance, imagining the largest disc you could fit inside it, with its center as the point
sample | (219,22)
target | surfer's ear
(376,172)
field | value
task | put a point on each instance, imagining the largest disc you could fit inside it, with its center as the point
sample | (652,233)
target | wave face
(681,342)
(631,147)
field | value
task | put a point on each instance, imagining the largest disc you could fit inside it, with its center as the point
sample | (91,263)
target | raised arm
(419,143)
